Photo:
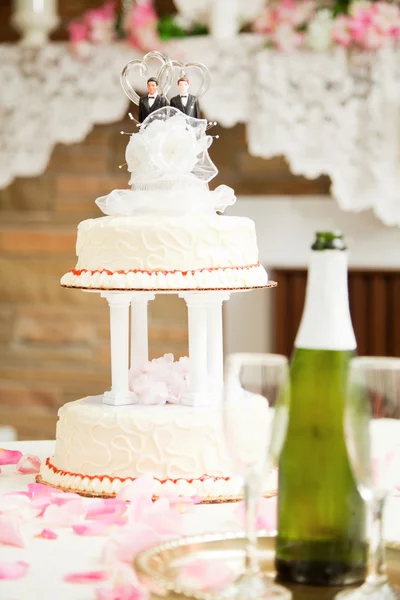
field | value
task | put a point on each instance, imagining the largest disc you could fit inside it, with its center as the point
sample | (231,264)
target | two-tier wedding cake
(166,234)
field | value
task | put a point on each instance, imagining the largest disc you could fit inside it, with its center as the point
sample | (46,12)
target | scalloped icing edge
(210,489)
(246,277)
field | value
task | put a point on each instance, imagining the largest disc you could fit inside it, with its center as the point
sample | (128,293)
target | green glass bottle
(321,517)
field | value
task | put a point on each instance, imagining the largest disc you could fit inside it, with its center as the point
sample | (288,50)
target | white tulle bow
(175,200)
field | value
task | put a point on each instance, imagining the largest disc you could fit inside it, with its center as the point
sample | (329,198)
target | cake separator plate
(270,284)
(159,567)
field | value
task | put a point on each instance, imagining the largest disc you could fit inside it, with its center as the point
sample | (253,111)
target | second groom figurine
(185,102)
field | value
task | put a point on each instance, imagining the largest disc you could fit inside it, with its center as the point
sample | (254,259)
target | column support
(119,303)
(215,345)
(204,312)
(139,329)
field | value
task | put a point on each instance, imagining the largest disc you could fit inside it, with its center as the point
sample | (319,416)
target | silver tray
(159,567)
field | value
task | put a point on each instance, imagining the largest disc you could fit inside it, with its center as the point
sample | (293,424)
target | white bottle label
(326,322)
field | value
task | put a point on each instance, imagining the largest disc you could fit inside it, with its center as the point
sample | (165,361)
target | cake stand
(129,340)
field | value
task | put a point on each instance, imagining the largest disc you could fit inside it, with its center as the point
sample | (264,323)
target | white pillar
(197,394)
(139,329)
(205,347)
(224,19)
(35,20)
(215,360)
(119,303)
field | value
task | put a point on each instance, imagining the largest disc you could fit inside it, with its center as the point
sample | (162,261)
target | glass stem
(377,567)
(251,499)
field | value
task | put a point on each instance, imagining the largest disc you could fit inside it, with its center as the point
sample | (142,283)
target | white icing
(100,448)
(168,442)
(208,489)
(166,243)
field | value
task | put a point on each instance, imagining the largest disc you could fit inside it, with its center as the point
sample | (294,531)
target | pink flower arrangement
(141,26)
(99,26)
(289,25)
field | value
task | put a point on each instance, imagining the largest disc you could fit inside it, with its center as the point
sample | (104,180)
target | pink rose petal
(266,517)
(86,577)
(60,498)
(91,528)
(10,531)
(162,519)
(206,575)
(28,464)
(141,487)
(65,515)
(13,570)
(106,509)
(125,543)
(9,457)
(14,502)
(181,503)
(47,534)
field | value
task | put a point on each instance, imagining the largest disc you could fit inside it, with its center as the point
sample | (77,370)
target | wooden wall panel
(374,306)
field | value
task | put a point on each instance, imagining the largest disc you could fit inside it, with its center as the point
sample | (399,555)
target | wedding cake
(167,233)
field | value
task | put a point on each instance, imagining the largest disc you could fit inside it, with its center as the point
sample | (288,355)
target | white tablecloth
(50,560)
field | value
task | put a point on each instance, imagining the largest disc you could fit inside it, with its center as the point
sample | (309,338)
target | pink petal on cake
(65,515)
(13,570)
(91,528)
(141,487)
(207,574)
(10,531)
(86,577)
(122,592)
(9,457)
(104,509)
(28,464)
(47,534)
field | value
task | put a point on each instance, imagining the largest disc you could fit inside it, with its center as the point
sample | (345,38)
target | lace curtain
(328,112)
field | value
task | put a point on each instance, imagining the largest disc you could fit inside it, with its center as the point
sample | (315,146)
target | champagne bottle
(321,517)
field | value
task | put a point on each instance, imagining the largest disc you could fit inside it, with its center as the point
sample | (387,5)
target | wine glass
(372,428)
(256,398)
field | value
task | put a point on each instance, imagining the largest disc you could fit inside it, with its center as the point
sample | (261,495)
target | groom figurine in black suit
(184,101)
(151,101)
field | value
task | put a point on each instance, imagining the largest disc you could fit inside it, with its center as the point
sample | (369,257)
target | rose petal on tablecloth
(13,570)
(28,464)
(86,577)
(66,515)
(105,509)
(96,528)
(47,534)
(9,457)
(10,531)
(206,575)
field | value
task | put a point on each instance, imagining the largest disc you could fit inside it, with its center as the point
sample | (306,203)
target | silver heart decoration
(142,64)
(166,71)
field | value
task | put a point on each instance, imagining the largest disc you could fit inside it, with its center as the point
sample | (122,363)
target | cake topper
(159,85)
(151,101)
(185,102)
(168,157)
